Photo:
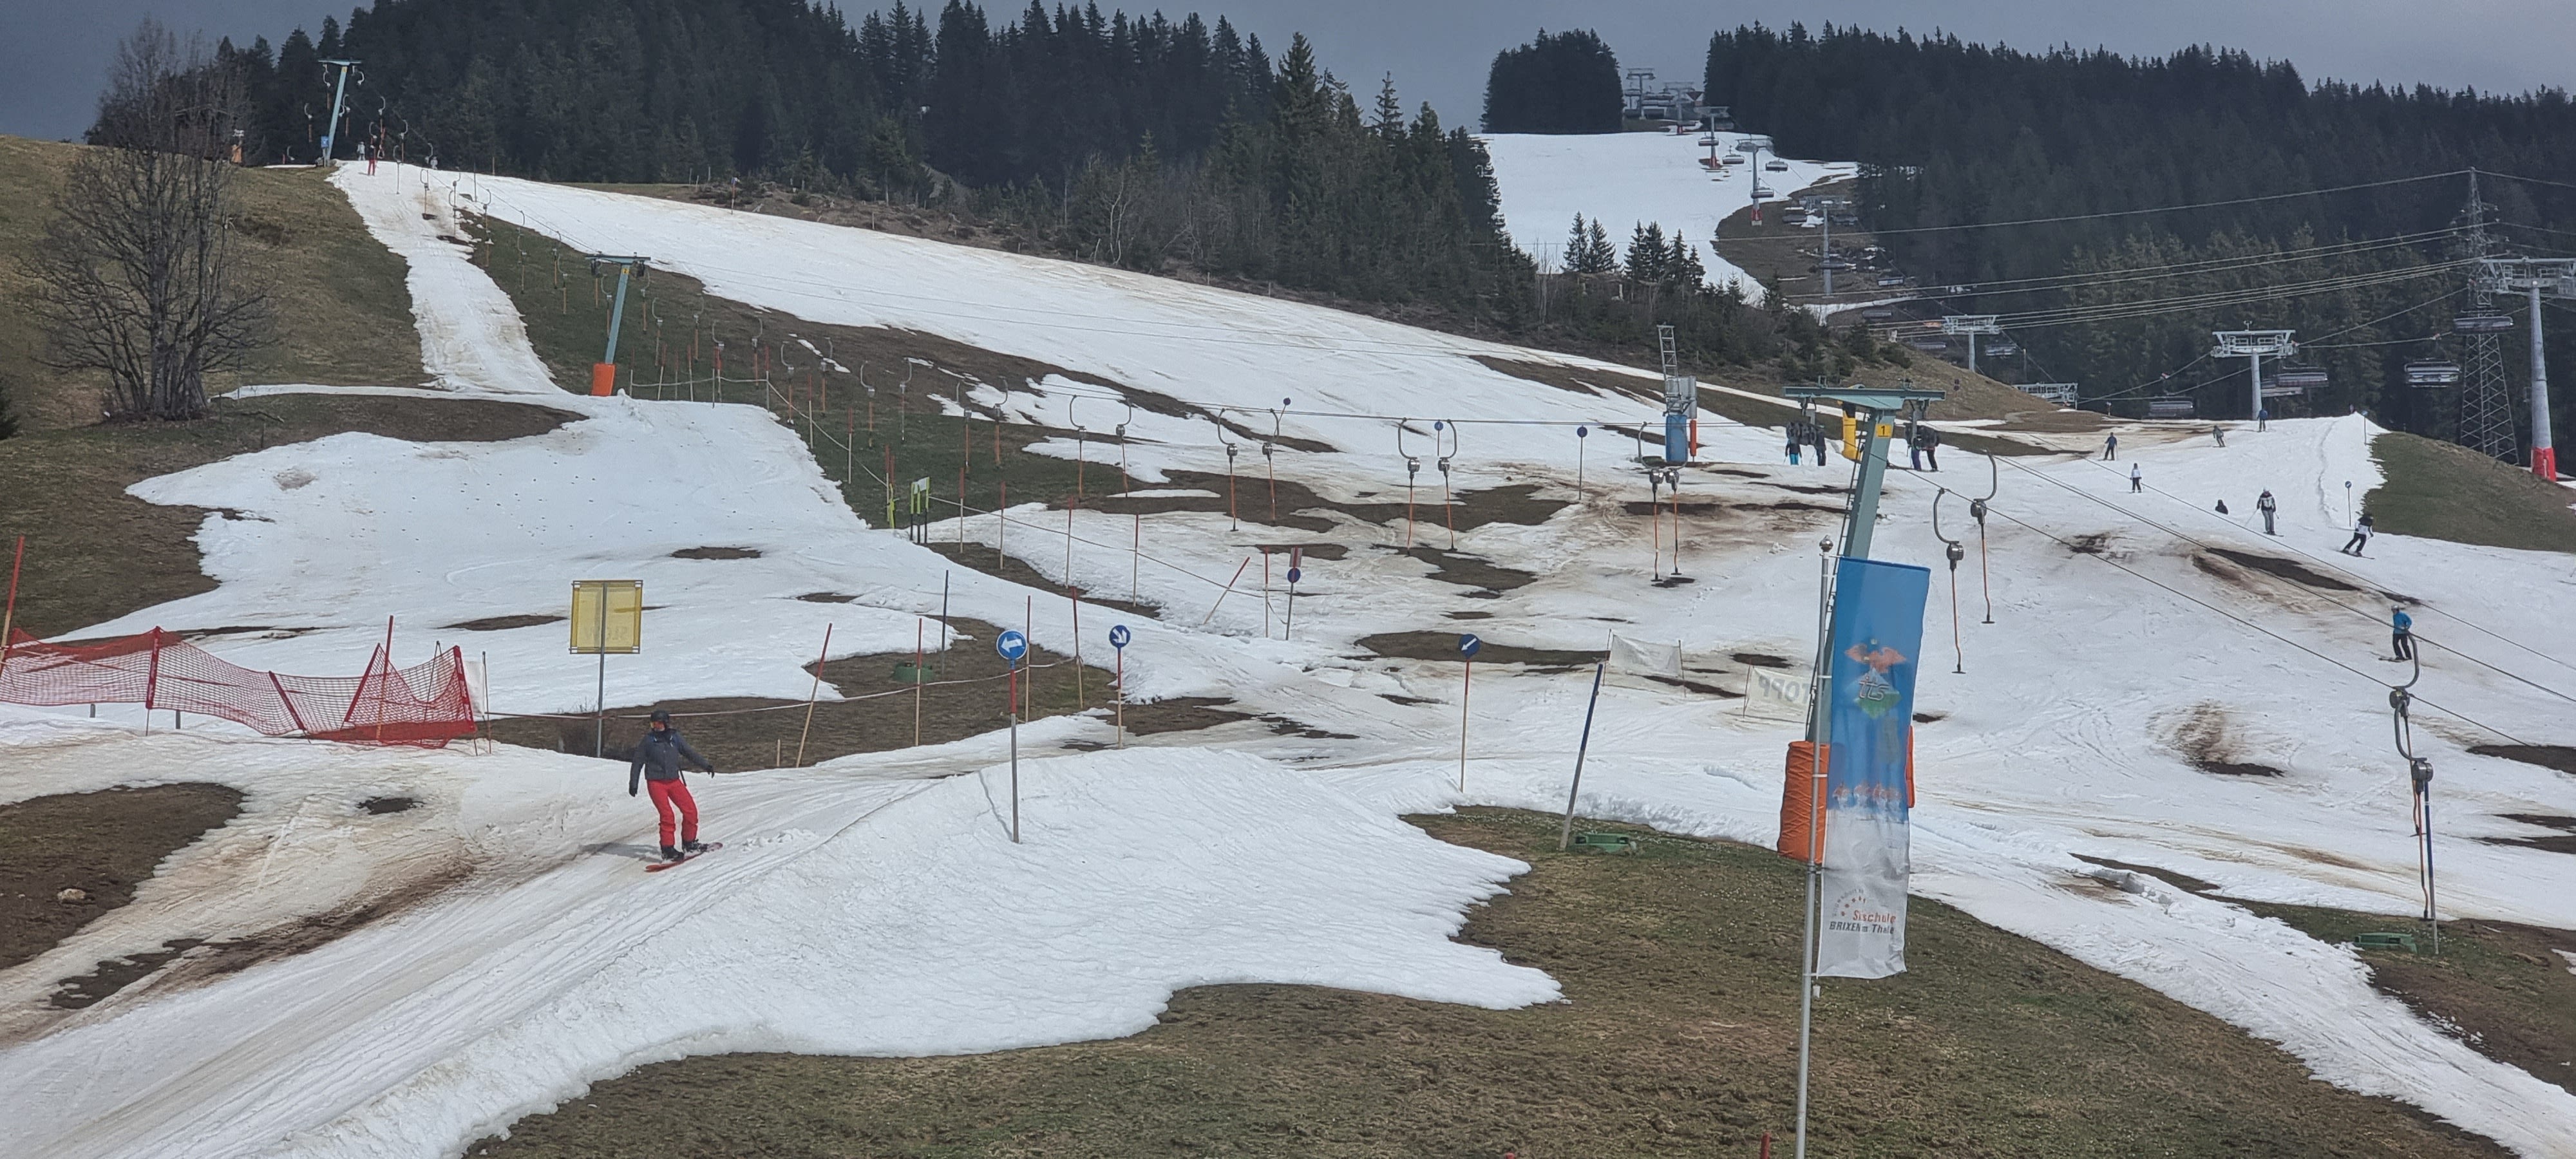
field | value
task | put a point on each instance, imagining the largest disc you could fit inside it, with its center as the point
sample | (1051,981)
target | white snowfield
(1624,180)
(875,904)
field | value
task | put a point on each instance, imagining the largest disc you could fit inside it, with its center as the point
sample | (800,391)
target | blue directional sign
(1295,574)
(1467,645)
(1582,432)
(1119,635)
(1012,645)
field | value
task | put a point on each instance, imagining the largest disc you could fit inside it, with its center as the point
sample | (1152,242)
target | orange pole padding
(1806,775)
(603,379)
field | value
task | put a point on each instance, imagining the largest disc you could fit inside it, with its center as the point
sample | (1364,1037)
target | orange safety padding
(603,378)
(1805,770)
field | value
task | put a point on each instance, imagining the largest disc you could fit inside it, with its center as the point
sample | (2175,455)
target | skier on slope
(1930,440)
(2360,536)
(2401,634)
(2110,447)
(657,763)
(2269,506)
(2137,481)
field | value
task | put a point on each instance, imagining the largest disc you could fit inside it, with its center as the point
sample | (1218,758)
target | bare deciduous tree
(138,272)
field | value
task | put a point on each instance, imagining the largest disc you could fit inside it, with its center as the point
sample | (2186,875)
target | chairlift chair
(1878,313)
(2003,348)
(2297,378)
(2482,323)
(1776,166)
(2432,372)
(2170,408)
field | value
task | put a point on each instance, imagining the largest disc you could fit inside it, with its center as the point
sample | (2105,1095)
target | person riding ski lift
(657,764)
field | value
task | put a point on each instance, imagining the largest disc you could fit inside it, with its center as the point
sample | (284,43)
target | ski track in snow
(864,906)
(1624,180)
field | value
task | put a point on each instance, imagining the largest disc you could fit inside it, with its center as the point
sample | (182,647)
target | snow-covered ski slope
(1624,180)
(861,908)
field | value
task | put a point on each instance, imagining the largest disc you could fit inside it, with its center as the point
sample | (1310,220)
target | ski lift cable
(2148,307)
(2226,614)
(2131,392)
(2373,617)
(2200,266)
(2177,208)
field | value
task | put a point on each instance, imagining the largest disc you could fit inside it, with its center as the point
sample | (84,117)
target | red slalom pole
(9,618)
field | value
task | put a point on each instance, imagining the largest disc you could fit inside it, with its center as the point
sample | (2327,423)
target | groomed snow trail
(551,967)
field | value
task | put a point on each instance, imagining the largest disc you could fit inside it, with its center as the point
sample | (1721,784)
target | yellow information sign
(607,617)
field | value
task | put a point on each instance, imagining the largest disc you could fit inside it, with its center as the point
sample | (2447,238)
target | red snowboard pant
(666,795)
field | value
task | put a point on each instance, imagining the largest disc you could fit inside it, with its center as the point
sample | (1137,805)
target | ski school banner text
(1878,635)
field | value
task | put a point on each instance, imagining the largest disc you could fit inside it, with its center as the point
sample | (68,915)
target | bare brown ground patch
(717,553)
(2547,756)
(103,844)
(1464,570)
(1683,952)
(1444,646)
(976,557)
(1516,503)
(2563,841)
(740,733)
(2208,739)
(504,623)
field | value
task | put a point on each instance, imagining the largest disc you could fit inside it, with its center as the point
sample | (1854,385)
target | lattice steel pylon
(2486,398)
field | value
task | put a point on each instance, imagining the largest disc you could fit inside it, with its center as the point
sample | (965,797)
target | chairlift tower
(1825,255)
(2486,403)
(1971,325)
(339,95)
(2254,345)
(2536,278)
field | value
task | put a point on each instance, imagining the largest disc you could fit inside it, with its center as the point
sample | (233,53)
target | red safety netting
(426,705)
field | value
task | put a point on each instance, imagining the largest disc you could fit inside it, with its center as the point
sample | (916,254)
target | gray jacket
(657,758)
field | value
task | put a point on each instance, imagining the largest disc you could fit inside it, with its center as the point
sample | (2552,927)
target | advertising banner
(1877,637)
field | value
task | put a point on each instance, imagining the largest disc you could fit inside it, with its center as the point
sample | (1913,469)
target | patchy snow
(875,910)
(1624,180)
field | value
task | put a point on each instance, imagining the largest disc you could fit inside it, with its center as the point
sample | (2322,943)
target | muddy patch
(1325,551)
(717,553)
(1408,701)
(1181,714)
(1929,717)
(1467,571)
(1444,646)
(1298,728)
(826,598)
(379,806)
(2093,543)
(190,961)
(2548,756)
(978,557)
(2208,739)
(101,845)
(504,623)
(2294,572)
(2183,881)
(2562,841)
(1470,615)
(1759,659)
(1249,496)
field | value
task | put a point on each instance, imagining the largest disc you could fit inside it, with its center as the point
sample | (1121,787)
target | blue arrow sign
(1119,635)
(1582,432)
(1012,645)
(1295,574)
(1467,645)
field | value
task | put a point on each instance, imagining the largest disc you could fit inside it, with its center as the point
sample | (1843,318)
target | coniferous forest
(1144,142)
(1951,132)
(1566,82)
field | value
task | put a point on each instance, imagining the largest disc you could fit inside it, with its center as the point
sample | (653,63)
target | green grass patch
(2440,490)
(1679,1037)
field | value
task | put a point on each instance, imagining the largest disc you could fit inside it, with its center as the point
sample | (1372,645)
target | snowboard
(659,866)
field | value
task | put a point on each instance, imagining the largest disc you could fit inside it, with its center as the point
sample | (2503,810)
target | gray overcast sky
(52,51)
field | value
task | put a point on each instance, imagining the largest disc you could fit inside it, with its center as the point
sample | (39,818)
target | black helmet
(660,716)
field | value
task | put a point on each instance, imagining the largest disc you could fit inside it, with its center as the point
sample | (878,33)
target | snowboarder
(657,763)
(2137,481)
(2401,635)
(1931,447)
(2110,447)
(2269,506)
(2360,536)
(2218,434)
